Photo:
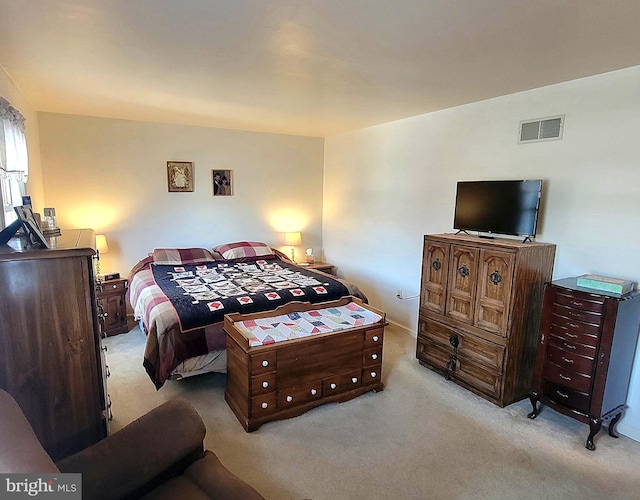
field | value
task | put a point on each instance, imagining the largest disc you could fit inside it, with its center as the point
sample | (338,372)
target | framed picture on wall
(180,176)
(222,181)
(31,228)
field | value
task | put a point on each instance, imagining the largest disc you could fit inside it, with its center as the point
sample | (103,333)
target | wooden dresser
(285,379)
(480,307)
(51,359)
(585,354)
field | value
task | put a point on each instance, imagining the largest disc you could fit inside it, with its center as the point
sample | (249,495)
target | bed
(180,296)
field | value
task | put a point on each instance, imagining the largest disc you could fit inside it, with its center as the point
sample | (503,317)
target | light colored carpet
(422,437)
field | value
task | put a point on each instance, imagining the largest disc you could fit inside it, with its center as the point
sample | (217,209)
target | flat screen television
(507,207)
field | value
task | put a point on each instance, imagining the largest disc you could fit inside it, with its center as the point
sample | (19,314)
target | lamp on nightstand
(292,240)
(101,247)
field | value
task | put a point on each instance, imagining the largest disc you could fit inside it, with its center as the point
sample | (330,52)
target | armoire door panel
(495,278)
(463,271)
(434,276)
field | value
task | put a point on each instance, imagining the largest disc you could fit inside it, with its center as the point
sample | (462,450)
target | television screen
(503,207)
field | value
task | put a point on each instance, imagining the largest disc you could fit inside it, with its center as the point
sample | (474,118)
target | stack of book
(605,284)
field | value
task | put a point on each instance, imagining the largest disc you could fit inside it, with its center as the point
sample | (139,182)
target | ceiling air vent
(542,129)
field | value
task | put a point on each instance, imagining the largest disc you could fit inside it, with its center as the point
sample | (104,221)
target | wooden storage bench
(284,379)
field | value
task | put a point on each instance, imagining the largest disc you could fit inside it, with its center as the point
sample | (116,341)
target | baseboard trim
(629,431)
(402,328)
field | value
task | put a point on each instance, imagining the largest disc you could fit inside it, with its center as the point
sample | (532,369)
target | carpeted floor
(421,438)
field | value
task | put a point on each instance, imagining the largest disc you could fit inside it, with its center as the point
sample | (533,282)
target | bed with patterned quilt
(180,296)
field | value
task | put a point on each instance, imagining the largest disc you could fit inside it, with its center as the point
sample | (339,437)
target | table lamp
(101,247)
(292,240)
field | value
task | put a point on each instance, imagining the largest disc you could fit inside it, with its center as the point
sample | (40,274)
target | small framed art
(222,182)
(31,228)
(180,176)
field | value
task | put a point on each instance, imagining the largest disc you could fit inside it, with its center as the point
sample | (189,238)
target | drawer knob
(313,392)
(115,286)
(333,386)
(566,360)
(265,363)
(354,380)
(289,399)
(463,271)
(375,338)
(374,356)
(264,406)
(374,374)
(436,265)
(495,277)
(265,384)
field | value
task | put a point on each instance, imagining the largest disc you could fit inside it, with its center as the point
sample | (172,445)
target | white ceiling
(304,67)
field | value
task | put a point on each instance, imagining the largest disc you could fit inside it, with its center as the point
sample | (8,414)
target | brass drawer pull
(567,360)
(573,325)
(563,377)
(572,336)
(566,396)
(569,346)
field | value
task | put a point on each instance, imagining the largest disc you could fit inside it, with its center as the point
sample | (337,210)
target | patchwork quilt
(295,325)
(203,294)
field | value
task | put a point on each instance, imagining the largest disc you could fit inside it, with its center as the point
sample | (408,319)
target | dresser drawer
(373,338)
(474,348)
(567,397)
(573,380)
(580,301)
(115,286)
(570,360)
(292,396)
(575,336)
(263,363)
(372,356)
(264,383)
(575,331)
(263,404)
(569,345)
(342,383)
(570,313)
(486,381)
(371,374)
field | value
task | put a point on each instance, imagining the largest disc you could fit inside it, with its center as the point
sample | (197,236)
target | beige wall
(11,93)
(387,186)
(111,175)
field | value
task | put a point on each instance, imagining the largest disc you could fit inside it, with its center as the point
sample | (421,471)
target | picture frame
(222,182)
(31,227)
(180,176)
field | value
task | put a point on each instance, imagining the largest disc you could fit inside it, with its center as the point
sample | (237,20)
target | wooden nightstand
(322,266)
(112,306)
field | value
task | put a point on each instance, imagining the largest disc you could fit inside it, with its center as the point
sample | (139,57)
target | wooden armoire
(480,308)
(51,358)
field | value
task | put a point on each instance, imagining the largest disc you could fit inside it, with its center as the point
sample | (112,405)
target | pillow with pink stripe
(241,249)
(182,256)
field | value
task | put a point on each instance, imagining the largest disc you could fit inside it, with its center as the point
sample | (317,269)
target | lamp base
(292,255)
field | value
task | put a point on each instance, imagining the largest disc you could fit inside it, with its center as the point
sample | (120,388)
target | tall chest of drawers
(585,354)
(480,306)
(51,357)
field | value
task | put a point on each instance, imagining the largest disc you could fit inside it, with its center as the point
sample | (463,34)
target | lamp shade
(101,243)
(292,239)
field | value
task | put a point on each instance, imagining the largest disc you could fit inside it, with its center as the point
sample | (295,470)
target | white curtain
(14,162)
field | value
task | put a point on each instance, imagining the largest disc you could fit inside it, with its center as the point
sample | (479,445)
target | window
(14,163)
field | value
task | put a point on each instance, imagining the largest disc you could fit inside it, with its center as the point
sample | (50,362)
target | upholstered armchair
(160,455)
